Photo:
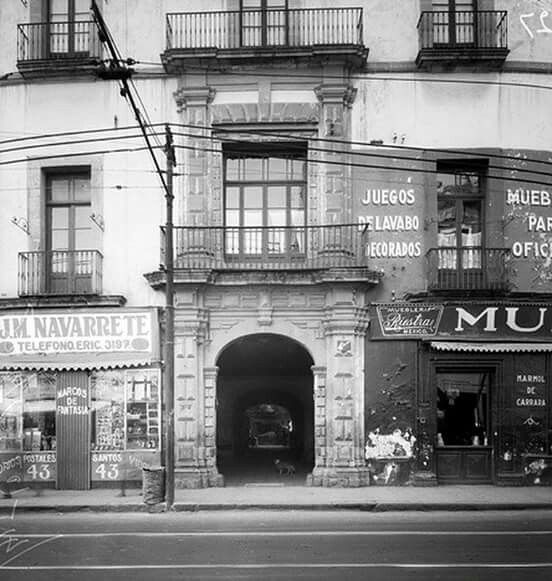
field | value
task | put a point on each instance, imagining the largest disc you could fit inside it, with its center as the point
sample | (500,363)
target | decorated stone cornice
(336,94)
(193,97)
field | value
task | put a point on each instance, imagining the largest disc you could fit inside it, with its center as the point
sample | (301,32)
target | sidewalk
(273,497)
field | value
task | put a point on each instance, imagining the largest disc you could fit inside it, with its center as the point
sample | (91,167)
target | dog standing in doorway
(286,468)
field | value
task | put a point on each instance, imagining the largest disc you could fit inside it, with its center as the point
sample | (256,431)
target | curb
(212,507)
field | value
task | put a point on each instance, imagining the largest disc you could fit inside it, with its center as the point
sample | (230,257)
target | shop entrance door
(464,437)
(73,430)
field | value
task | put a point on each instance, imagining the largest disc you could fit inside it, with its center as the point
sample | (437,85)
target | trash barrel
(153,484)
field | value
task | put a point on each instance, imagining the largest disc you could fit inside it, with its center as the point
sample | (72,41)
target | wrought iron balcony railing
(486,29)
(268,248)
(46,41)
(60,272)
(468,268)
(265,28)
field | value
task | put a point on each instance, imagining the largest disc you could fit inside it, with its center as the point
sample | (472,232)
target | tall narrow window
(70,260)
(460,219)
(263,22)
(68,22)
(453,22)
(265,201)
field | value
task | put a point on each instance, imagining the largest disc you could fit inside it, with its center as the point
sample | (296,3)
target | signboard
(119,465)
(75,339)
(28,467)
(481,321)
(400,320)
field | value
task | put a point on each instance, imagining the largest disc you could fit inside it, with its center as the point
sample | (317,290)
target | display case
(11,411)
(142,410)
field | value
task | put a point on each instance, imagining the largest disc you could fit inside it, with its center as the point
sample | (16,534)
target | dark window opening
(463,408)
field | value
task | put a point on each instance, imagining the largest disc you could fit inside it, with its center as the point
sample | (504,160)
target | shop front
(79,397)
(483,388)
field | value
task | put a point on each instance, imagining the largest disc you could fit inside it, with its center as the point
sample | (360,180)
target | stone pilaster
(334,175)
(192,200)
(194,397)
(341,459)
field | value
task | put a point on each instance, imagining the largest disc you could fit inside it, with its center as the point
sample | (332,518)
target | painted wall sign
(389,207)
(409,319)
(28,467)
(121,465)
(72,401)
(530,390)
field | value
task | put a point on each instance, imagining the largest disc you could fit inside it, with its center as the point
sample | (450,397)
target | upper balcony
(60,272)
(57,48)
(305,253)
(470,268)
(454,38)
(242,36)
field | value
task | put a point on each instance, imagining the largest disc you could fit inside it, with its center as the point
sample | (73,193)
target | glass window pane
(276,218)
(297,218)
(232,217)
(232,197)
(84,239)
(39,412)
(81,189)
(232,168)
(277,169)
(276,196)
(297,197)
(253,168)
(58,190)
(108,415)
(142,409)
(59,239)
(11,412)
(252,241)
(252,218)
(253,197)
(82,217)
(59,217)
(298,169)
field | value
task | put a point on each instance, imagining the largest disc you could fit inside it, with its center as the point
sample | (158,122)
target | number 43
(109,473)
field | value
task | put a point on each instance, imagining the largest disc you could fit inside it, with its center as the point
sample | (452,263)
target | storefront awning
(479,347)
(65,362)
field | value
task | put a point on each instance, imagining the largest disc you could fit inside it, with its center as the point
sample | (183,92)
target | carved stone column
(341,460)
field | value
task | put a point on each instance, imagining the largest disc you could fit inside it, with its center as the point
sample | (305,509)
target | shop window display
(125,410)
(11,412)
(462,409)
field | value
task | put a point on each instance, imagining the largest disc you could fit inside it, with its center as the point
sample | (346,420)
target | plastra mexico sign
(491,321)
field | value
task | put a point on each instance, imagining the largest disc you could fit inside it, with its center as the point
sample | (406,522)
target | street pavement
(278,545)
(372,498)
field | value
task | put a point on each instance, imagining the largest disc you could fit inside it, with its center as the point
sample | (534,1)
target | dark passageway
(265,411)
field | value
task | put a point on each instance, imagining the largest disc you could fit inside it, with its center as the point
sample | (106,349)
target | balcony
(57,48)
(252,35)
(273,254)
(469,38)
(60,272)
(468,268)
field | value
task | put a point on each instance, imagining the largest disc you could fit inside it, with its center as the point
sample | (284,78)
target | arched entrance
(265,410)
